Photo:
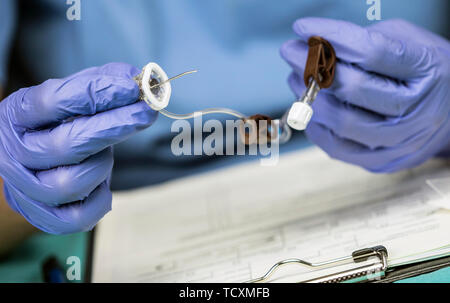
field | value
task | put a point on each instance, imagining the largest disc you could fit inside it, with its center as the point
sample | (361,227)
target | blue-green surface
(440,276)
(25,264)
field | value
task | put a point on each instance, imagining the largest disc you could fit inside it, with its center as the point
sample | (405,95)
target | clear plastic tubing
(284,131)
(207,111)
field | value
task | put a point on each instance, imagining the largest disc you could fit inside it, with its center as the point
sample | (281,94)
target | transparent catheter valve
(155,90)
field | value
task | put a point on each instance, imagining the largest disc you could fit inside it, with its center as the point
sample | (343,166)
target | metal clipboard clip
(362,255)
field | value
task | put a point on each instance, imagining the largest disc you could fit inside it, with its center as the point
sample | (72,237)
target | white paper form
(232,225)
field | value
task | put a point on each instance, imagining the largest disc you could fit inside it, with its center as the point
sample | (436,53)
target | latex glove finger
(67,184)
(56,100)
(115,69)
(404,29)
(369,49)
(359,125)
(65,219)
(359,87)
(76,140)
(383,160)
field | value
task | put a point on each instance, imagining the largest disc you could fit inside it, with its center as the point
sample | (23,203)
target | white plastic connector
(155,101)
(299,115)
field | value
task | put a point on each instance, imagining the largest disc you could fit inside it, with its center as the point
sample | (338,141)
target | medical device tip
(175,77)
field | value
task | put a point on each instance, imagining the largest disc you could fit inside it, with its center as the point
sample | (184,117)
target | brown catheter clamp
(320,66)
(321,62)
(263,132)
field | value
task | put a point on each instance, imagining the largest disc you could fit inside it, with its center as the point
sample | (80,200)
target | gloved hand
(389,106)
(56,145)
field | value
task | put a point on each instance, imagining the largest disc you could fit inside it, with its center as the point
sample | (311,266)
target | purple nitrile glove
(388,108)
(56,145)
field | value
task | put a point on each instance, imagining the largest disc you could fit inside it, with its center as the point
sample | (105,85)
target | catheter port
(155,89)
(299,115)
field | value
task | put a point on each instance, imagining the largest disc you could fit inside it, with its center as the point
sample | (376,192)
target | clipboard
(174,246)
(377,271)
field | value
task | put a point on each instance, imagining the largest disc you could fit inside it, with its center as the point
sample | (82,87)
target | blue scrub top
(234,43)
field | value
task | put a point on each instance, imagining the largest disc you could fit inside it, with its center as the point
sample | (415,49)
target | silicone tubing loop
(202,112)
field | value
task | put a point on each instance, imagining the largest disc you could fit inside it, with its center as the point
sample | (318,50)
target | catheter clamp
(258,133)
(319,73)
(321,62)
